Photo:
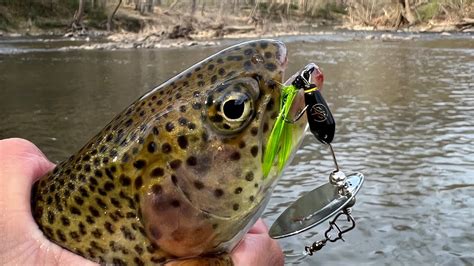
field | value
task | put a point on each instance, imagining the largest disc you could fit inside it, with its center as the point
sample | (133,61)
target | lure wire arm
(298,116)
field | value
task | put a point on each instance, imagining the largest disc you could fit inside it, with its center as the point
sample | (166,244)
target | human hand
(257,248)
(21,164)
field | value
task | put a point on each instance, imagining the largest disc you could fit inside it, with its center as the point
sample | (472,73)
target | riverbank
(130,27)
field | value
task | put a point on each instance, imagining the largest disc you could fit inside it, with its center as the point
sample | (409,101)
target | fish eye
(230,107)
(236,108)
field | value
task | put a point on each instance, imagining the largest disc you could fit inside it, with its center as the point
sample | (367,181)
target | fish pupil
(233,109)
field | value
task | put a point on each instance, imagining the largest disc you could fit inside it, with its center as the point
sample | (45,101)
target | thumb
(21,163)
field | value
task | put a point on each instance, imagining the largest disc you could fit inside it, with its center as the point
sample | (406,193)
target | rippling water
(404,112)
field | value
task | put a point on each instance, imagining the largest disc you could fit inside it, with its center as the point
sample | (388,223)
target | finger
(259,228)
(258,249)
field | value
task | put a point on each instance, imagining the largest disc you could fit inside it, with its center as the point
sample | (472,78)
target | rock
(444,33)
(386,37)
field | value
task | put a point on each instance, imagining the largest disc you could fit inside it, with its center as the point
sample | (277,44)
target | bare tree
(78,15)
(111,16)
(193,7)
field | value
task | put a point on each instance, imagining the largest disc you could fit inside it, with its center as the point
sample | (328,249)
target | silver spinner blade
(315,207)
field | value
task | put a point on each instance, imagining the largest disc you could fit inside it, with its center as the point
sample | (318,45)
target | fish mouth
(282,56)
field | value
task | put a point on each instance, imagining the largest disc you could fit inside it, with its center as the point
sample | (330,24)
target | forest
(213,18)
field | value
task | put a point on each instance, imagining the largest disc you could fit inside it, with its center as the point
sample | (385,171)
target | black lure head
(320,119)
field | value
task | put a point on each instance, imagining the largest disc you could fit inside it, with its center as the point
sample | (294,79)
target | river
(405,118)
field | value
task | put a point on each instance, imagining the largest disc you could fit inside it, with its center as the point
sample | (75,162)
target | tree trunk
(221,10)
(172,5)
(203,7)
(77,20)
(406,11)
(409,15)
(193,8)
(111,17)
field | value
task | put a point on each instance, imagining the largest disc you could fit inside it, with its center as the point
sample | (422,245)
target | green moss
(428,11)
(329,11)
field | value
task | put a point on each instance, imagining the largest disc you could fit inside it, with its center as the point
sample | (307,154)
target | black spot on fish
(125,158)
(254,151)
(108,186)
(198,184)
(157,172)
(248,65)
(138,182)
(254,131)
(139,164)
(270,66)
(78,200)
(235,207)
(124,180)
(151,147)
(115,202)
(75,210)
(235,156)
(109,227)
(174,179)
(191,161)
(128,122)
(169,126)
(157,189)
(175,203)
(238,190)
(183,142)
(175,164)
(166,148)
(101,203)
(218,193)
(182,121)
(249,176)
(51,217)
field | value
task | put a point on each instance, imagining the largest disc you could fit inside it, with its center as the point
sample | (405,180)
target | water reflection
(404,114)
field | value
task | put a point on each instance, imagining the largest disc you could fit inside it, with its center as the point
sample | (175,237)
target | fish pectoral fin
(213,260)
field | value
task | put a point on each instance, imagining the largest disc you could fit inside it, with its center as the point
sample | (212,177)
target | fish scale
(178,173)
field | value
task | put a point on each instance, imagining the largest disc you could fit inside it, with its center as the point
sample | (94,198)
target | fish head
(216,130)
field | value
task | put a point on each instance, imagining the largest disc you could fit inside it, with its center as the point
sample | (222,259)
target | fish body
(178,173)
